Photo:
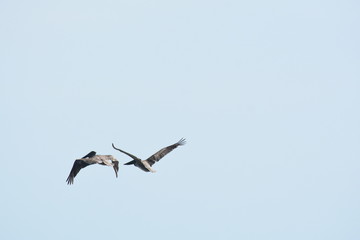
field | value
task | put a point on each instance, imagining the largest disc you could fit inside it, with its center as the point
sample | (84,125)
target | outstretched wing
(78,164)
(130,155)
(90,154)
(160,154)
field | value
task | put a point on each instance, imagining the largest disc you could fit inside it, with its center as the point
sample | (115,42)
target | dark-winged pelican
(89,159)
(146,165)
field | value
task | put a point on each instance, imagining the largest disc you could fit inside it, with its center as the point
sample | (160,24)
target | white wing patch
(147,165)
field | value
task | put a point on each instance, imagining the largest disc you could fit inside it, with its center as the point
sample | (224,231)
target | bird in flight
(146,165)
(89,159)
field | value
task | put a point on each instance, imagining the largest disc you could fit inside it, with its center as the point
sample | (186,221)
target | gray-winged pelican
(89,159)
(146,165)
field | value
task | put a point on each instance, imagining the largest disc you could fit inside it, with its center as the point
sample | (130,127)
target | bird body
(100,159)
(146,165)
(90,159)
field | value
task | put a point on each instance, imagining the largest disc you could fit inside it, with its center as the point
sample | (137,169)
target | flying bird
(146,165)
(89,159)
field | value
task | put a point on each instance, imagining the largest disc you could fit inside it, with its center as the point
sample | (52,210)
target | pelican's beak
(116,168)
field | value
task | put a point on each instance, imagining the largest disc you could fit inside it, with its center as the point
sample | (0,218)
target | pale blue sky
(265,92)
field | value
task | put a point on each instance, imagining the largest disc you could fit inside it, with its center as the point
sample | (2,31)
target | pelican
(89,159)
(146,165)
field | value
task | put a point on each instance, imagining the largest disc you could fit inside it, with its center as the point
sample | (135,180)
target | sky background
(265,92)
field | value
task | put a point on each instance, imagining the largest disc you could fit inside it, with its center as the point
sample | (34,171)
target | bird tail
(130,163)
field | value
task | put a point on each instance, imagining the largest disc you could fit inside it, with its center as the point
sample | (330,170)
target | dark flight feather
(90,154)
(78,165)
(130,155)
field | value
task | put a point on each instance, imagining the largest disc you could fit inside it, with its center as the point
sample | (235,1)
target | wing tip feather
(182,141)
